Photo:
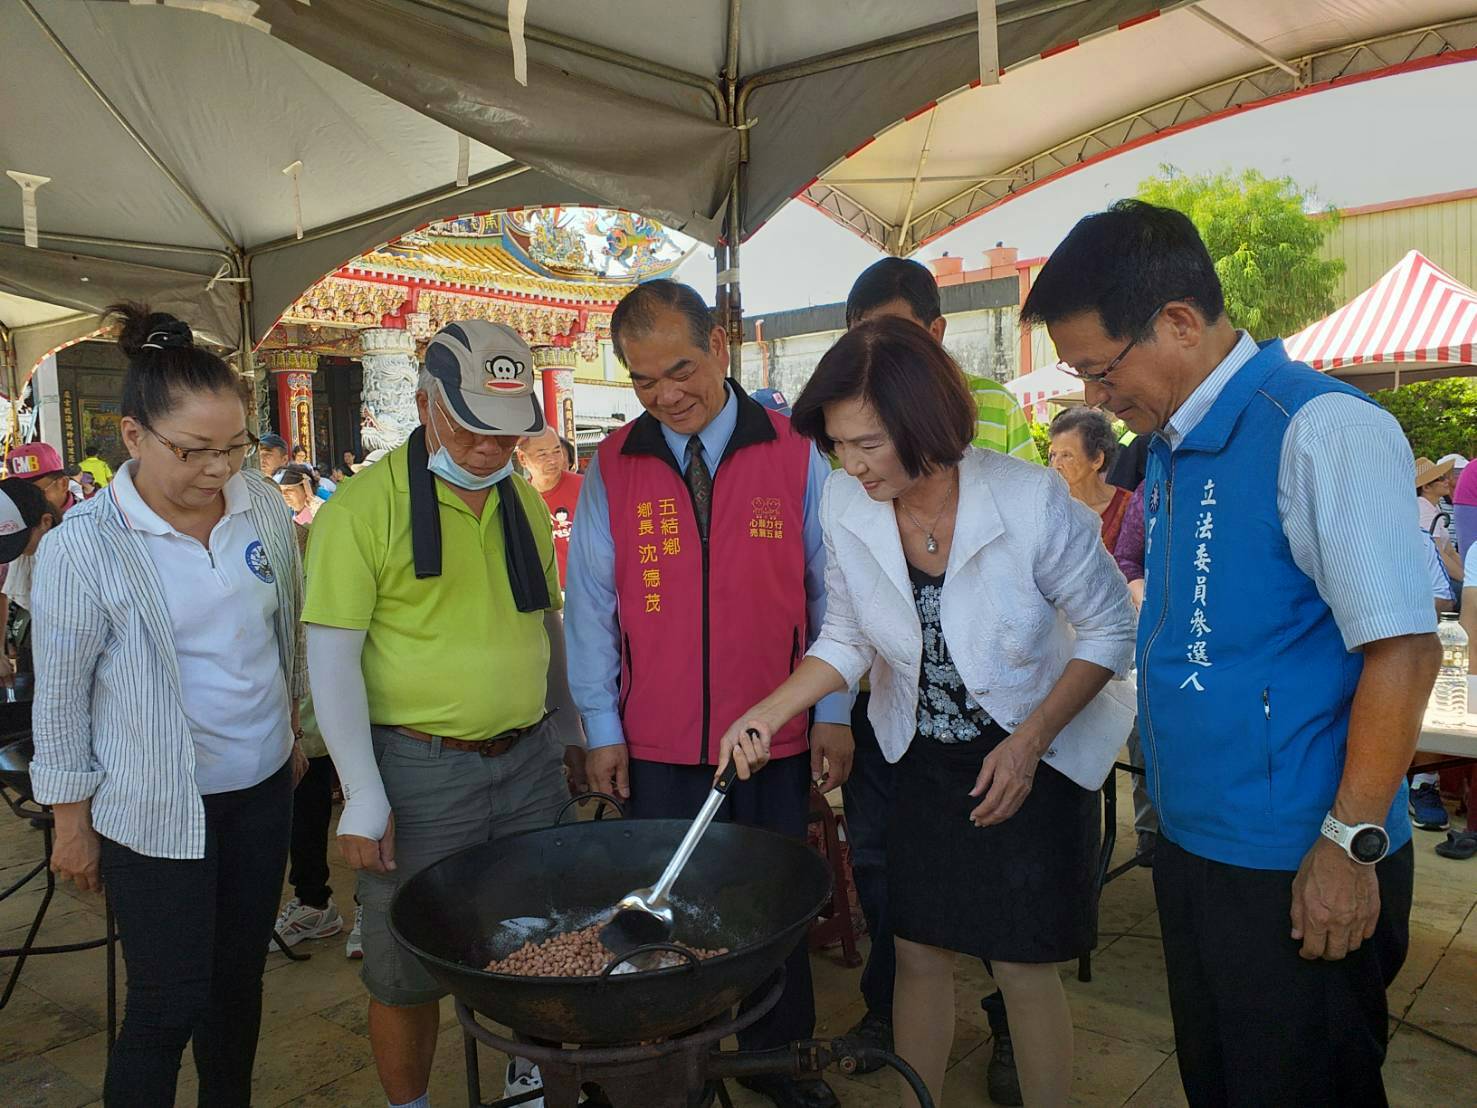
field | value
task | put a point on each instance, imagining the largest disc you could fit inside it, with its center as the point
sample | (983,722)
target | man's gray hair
(638,311)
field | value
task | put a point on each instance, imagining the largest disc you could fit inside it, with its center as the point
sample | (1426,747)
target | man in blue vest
(1285,656)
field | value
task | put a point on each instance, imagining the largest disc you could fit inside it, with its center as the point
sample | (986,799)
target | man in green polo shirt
(436,650)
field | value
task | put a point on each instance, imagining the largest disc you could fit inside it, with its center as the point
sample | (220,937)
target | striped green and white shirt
(1001,425)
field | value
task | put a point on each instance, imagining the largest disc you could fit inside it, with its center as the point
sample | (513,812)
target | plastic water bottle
(1449,699)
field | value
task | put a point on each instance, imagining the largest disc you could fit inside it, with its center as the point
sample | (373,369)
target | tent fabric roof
(954,159)
(1416,316)
(181,116)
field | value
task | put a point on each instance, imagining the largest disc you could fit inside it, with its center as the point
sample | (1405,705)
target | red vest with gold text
(707,630)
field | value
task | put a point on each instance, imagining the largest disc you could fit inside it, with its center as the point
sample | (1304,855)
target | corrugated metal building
(1371,239)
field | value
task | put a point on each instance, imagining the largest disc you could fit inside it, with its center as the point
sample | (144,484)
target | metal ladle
(644,916)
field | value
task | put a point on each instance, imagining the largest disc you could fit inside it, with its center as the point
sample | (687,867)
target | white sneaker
(526,1083)
(354,948)
(298,921)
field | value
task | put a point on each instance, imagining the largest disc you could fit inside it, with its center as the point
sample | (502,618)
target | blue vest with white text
(1245,686)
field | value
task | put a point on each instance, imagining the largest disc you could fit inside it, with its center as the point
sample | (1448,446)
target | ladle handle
(694,834)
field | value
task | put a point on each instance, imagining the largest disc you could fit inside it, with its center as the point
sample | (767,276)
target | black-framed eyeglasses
(204,455)
(1100,377)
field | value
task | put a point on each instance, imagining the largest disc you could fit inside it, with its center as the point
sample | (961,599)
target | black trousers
(1254,1023)
(867,798)
(776,799)
(195,935)
(312,811)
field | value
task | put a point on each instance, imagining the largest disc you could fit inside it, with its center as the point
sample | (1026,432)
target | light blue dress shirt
(591,627)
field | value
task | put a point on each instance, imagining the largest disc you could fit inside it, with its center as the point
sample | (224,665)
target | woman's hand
(76,851)
(747,743)
(1005,780)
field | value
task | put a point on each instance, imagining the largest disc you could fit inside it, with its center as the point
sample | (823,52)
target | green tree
(1438,417)
(1263,241)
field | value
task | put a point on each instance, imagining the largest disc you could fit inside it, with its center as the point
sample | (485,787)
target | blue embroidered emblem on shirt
(256,561)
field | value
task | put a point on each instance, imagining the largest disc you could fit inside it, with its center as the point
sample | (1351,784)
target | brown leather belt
(494,747)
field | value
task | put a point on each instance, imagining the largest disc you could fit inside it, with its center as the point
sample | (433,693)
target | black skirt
(1020,891)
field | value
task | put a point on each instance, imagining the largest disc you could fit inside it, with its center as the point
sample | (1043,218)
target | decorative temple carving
(390,373)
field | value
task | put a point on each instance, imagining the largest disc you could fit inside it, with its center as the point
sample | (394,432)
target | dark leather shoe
(873,1030)
(789,1092)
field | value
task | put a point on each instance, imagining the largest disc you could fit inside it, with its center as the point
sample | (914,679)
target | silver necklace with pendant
(930,543)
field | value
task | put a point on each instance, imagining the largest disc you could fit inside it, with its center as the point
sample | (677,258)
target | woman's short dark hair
(894,279)
(908,379)
(1094,428)
(164,361)
(637,313)
(1125,264)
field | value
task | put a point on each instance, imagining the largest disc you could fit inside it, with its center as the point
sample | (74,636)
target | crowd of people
(881,590)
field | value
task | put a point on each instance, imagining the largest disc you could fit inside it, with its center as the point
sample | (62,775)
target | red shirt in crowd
(561,500)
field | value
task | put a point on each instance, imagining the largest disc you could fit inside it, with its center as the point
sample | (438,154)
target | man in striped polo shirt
(902,287)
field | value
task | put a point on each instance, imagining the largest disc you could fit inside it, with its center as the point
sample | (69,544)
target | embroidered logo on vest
(767,520)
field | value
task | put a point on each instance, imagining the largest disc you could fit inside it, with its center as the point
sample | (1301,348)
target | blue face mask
(444,466)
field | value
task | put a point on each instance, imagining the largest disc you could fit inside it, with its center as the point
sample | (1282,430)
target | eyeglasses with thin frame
(204,455)
(1099,378)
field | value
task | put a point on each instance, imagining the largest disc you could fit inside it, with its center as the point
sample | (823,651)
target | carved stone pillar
(390,373)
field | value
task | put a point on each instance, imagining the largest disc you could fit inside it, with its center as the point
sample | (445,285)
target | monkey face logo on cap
(506,377)
(483,372)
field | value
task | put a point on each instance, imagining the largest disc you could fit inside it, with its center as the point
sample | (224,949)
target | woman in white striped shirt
(167,676)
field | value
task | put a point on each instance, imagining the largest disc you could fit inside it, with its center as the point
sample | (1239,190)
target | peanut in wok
(571,954)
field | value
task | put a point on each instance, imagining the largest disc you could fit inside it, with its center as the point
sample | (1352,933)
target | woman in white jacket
(990,616)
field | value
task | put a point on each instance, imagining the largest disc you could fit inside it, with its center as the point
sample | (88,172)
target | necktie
(700,483)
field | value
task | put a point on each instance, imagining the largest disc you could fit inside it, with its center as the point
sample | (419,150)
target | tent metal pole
(729,282)
(125,244)
(585,49)
(1247,41)
(492,176)
(907,224)
(113,109)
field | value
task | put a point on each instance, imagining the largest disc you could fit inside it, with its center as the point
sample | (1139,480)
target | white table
(1453,742)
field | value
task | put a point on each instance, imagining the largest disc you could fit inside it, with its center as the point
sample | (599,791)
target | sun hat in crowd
(32,460)
(1427,471)
(1458,462)
(483,374)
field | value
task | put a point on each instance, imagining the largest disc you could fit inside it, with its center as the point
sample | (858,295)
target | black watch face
(1369,845)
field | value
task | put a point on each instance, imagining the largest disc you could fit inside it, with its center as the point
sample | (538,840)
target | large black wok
(751,891)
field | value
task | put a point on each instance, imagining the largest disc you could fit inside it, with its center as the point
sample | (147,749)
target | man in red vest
(696,582)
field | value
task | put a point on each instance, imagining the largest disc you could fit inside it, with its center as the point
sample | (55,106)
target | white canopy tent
(221,156)
(1089,96)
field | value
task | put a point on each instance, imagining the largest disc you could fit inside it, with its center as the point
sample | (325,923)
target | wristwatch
(1366,843)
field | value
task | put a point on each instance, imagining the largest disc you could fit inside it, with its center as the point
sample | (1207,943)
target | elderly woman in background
(1082,448)
(300,490)
(953,575)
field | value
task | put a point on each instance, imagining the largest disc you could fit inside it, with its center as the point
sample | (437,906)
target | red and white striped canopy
(1417,317)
